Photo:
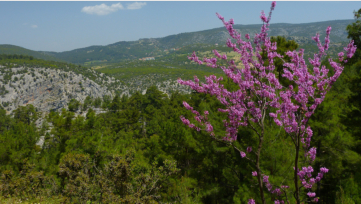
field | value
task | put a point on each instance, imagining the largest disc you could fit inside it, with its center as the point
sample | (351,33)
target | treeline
(15,56)
(14,60)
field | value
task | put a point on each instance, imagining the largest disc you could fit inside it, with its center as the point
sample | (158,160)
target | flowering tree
(260,94)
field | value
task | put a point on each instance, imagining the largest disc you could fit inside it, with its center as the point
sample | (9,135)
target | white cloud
(136,5)
(102,9)
(34,26)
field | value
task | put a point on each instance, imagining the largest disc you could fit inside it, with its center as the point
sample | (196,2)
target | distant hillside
(13,49)
(298,31)
(154,47)
(157,47)
(110,53)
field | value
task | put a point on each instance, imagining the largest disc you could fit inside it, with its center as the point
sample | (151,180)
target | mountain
(13,49)
(155,47)
(110,53)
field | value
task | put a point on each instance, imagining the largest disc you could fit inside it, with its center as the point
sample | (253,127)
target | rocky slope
(47,89)
(50,89)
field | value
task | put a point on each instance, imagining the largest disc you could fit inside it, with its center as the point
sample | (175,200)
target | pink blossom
(187,105)
(263,17)
(243,154)
(311,194)
(277,191)
(185,121)
(265,179)
(254,173)
(312,153)
(249,149)
(231,21)
(209,127)
(273,4)
(340,56)
(251,201)
(324,170)
(220,17)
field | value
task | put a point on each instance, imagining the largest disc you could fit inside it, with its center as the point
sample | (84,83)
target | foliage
(134,149)
(261,97)
(354,30)
(74,105)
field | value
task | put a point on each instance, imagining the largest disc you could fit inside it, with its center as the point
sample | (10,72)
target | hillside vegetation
(157,47)
(118,136)
(20,51)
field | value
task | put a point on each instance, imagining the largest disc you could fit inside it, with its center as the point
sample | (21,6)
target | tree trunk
(297,193)
(260,183)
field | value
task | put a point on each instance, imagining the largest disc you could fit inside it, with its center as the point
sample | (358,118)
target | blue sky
(63,26)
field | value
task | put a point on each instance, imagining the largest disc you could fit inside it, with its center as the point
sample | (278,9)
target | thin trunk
(318,167)
(297,193)
(258,157)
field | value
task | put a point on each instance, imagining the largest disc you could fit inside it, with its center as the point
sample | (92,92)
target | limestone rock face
(51,89)
(47,89)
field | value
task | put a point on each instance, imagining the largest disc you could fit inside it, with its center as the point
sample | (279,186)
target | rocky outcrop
(50,89)
(47,89)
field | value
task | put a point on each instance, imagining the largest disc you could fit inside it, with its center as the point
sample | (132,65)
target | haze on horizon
(64,26)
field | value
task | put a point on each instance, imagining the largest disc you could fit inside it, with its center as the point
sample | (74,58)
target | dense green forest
(138,150)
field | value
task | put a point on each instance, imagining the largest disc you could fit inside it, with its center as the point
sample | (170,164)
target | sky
(64,26)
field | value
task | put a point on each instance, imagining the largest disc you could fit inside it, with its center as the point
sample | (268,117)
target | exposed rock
(47,89)
(50,89)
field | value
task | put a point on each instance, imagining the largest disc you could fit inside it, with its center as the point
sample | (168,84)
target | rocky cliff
(51,89)
(47,89)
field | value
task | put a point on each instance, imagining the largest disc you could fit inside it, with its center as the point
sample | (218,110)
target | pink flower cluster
(305,175)
(260,89)
(276,191)
(312,154)
(312,88)
(253,79)
(294,105)
(243,154)
(201,119)
(268,185)
(251,201)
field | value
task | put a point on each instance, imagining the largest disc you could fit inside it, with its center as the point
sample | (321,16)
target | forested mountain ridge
(220,35)
(155,47)
(13,49)
(160,46)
